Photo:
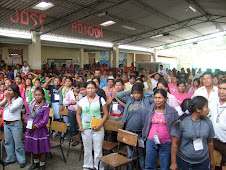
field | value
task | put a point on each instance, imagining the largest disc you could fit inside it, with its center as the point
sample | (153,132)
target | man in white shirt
(193,76)
(25,68)
(161,70)
(218,118)
(209,91)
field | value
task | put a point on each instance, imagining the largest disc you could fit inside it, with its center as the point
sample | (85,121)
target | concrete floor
(56,162)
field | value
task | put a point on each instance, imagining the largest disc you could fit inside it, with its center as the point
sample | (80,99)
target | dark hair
(140,79)
(58,78)
(98,79)
(31,82)
(198,81)
(133,76)
(207,72)
(97,69)
(92,82)
(138,87)
(84,85)
(161,91)
(69,78)
(181,82)
(190,105)
(222,82)
(19,77)
(119,80)
(76,84)
(16,90)
(163,82)
(40,89)
(38,80)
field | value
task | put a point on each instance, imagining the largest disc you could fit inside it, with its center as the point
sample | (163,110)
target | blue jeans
(73,122)
(140,154)
(153,151)
(183,165)
(13,142)
(55,106)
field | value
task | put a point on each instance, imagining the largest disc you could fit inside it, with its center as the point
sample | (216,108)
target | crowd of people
(179,116)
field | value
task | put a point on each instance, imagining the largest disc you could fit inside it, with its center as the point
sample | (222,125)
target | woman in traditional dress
(37,139)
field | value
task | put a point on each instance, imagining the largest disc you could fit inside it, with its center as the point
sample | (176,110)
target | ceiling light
(107,23)
(57,38)
(156,36)
(128,27)
(192,8)
(15,33)
(43,6)
(135,48)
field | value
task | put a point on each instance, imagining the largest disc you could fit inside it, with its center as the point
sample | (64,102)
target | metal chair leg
(80,154)
(69,147)
(63,154)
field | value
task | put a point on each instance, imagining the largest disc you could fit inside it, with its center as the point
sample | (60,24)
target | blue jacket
(125,97)
(170,115)
(102,83)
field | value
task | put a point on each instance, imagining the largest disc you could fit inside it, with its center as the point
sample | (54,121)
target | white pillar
(115,57)
(155,55)
(110,59)
(134,59)
(81,57)
(34,52)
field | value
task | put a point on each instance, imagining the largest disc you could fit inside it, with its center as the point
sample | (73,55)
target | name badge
(29,124)
(87,118)
(115,107)
(198,145)
(141,143)
(156,139)
(56,97)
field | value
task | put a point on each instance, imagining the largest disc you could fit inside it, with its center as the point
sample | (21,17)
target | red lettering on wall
(22,18)
(41,20)
(80,28)
(32,17)
(17,18)
(86,30)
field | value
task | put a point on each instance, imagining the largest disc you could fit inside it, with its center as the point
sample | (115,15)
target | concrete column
(110,59)
(81,50)
(34,53)
(115,57)
(134,59)
(155,55)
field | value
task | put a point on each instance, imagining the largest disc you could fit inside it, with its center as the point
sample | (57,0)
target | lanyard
(195,130)
(218,114)
(158,119)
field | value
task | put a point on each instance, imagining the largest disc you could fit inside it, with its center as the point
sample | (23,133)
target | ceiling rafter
(162,28)
(154,11)
(202,11)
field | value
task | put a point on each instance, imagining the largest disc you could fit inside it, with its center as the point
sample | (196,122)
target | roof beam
(159,30)
(154,11)
(204,12)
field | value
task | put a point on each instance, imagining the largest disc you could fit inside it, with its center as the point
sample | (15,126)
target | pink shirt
(109,91)
(172,88)
(158,124)
(180,98)
(172,100)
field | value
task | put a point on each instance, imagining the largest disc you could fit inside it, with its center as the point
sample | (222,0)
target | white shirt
(220,127)
(12,112)
(162,71)
(154,83)
(201,91)
(25,70)
(193,77)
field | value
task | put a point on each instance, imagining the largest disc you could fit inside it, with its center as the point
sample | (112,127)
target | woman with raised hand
(13,127)
(192,134)
(132,117)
